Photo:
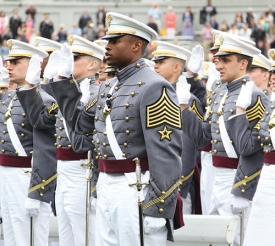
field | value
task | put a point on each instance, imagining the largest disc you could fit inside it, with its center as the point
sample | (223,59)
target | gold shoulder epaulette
(91,104)
(52,108)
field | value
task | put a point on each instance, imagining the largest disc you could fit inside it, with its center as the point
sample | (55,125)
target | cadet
(17,144)
(228,154)
(71,181)
(4,80)
(262,210)
(130,122)
(170,61)
(44,165)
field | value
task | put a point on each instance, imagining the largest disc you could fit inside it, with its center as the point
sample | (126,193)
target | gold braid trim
(43,184)
(162,197)
(187,177)
(91,104)
(197,78)
(52,108)
(245,180)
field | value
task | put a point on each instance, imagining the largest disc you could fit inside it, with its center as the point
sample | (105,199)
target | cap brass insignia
(108,20)
(36,42)
(70,40)
(221,39)
(271,54)
(155,45)
(98,43)
(214,37)
(9,44)
(206,66)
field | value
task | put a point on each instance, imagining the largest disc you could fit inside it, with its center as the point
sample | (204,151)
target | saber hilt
(138,184)
(31,231)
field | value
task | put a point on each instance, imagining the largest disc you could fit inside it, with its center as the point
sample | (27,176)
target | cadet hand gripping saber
(139,185)
(89,166)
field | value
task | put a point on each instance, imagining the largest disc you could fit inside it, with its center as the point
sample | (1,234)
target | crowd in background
(260,29)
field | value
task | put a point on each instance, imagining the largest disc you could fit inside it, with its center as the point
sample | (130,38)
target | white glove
(196,60)
(239,204)
(85,89)
(152,224)
(52,66)
(213,76)
(245,96)
(66,62)
(32,207)
(93,205)
(34,70)
(183,90)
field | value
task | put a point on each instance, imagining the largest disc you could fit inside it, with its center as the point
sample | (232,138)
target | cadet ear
(137,46)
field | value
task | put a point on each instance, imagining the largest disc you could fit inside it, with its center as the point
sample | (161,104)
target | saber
(89,166)
(31,231)
(139,185)
(242,228)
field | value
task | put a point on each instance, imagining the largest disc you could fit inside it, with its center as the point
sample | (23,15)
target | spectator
(170,22)
(270,14)
(85,17)
(264,22)
(207,11)
(213,22)
(74,30)
(152,24)
(238,22)
(89,31)
(4,22)
(251,18)
(4,50)
(31,11)
(29,26)
(240,15)
(46,27)
(224,26)
(187,23)
(62,34)
(100,17)
(101,33)
(22,32)
(234,29)
(245,31)
(258,35)
(33,37)
(207,39)
(156,13)
(15,22)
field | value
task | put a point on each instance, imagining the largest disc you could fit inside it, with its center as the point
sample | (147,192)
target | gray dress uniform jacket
(22,127)
(189,151)
(204,132)
(146,121)
(37,105)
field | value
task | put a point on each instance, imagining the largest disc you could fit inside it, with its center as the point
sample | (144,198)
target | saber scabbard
(88,166)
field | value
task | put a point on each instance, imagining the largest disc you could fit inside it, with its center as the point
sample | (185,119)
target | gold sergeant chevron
(163,111)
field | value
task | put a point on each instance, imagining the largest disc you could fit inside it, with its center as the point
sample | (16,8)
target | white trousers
(207,180)
(70,202)
(117,221)
(221,198)
(260,230)
(187,204)
(16,224)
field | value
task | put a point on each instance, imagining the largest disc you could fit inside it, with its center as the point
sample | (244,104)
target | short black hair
(144,43)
